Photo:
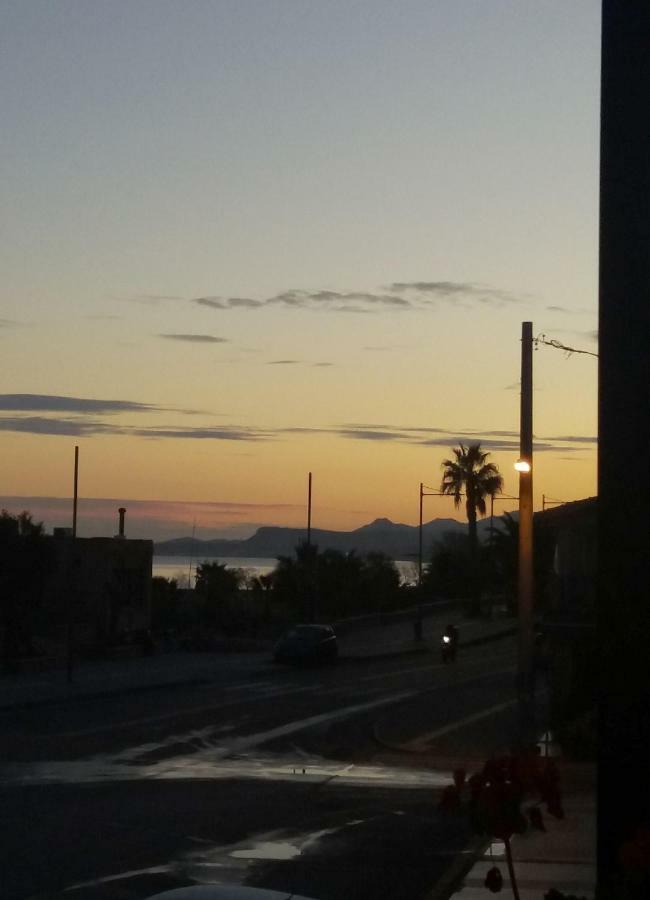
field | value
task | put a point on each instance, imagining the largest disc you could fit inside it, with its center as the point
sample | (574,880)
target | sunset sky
(245,240)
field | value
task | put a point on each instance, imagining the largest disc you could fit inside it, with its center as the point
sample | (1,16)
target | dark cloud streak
(88,428)
(399,296)
(195,338)
(54,403)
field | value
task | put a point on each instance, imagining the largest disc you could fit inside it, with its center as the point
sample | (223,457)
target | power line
(558,345)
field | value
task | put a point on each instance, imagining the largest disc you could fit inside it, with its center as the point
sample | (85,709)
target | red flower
(527,769)
(494,880)
(497,810)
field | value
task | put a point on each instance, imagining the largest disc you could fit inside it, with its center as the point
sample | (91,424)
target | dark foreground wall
(624,414)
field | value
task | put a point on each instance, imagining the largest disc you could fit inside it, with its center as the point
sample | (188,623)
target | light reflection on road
(209,764)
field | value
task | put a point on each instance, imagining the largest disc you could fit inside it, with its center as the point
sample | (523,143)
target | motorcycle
(449,645)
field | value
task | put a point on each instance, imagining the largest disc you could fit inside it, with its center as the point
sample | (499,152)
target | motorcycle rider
(450,643)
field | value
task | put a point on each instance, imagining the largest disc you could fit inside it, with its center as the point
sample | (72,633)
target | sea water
(183,568)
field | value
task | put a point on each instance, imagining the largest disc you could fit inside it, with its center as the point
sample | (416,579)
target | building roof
(576,509)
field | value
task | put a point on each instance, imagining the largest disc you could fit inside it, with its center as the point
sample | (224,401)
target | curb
(452,879)
(486,638)
(102,694)
(428,646)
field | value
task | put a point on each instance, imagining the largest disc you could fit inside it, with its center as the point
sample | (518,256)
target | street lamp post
(524,466)
(424,492)
(493,499)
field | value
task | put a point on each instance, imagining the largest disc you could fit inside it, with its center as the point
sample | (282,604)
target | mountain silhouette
(380,536)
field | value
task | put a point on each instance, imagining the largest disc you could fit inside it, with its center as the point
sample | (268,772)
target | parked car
(307,644)
(224,892)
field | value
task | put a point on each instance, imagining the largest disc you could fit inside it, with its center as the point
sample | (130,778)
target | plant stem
(511,870)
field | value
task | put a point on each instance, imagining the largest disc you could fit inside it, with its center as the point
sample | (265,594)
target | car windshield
(309,632)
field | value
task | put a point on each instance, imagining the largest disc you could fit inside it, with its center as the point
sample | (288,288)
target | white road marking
(263,737)
(421,742)
(205,707)
(152,870)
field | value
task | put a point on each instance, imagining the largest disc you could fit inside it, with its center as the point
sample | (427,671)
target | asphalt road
(323,781)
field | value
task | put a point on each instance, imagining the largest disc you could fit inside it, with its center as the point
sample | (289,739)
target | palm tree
(471,475)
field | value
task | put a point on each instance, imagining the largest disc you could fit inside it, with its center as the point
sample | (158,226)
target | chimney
(122,512)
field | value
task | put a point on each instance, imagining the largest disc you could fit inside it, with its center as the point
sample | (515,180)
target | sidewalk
(120,676)
(563,857)
(398,637)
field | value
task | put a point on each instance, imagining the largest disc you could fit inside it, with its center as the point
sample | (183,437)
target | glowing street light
(525,573)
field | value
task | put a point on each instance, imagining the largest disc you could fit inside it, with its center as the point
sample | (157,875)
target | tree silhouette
(335,584)
(470,474)
(26,560)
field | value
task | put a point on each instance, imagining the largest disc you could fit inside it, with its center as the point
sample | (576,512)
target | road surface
(322,781)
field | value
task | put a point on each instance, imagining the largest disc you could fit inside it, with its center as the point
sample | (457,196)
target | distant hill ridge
(396,540)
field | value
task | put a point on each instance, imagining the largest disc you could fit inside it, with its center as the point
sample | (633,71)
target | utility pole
(525,577)
(310,605)
(75,494)
(420,540)
(418,620)
(309,512)
(70,587)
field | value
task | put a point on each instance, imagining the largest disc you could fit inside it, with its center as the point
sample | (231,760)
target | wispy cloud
(398,296)
(454,291)
(83,427)
(84,406)
(322,300)
(195,338)
(505,440)
(230,303)
(573,439)
(151,299)
(588,334)
(9,323)
(361,434)
(298,362)
(82,420)
(572,311)
(56,426)
(162,519)
(223,433)
(426,436)
(55,403)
